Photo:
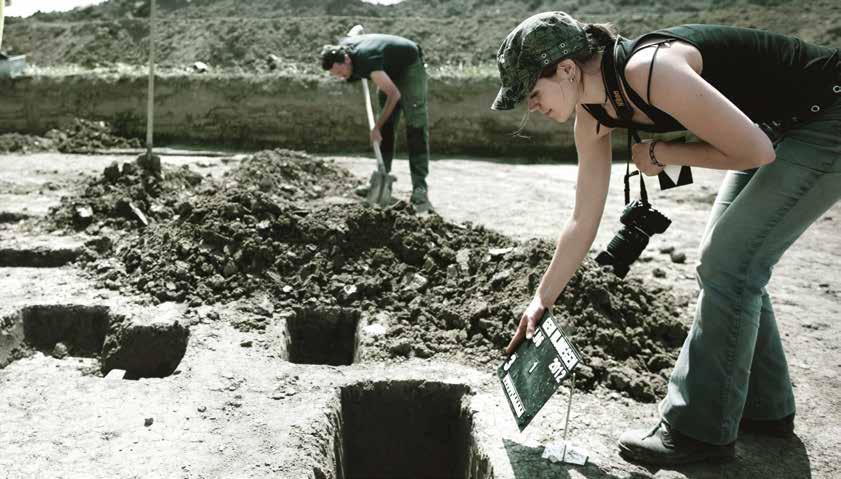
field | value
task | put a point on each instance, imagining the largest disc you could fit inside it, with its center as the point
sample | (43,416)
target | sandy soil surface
(234,407)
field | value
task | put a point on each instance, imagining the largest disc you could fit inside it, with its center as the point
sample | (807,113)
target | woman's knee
(731,266)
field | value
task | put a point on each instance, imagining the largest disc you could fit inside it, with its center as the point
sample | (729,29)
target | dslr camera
(639,221)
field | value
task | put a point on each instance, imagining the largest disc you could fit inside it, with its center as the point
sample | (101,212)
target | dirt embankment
(282,228)
(313,113)
(264,88)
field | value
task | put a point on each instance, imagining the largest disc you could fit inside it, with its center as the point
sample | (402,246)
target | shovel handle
(2,17)
(370,110)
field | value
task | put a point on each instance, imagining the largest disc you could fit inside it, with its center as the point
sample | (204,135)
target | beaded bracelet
(651,154)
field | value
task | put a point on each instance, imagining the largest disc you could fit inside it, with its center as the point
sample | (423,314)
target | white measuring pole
(566,420)
(2,2)
(150,106)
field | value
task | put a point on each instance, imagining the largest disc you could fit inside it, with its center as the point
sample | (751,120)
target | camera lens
(639,221)
(625,247)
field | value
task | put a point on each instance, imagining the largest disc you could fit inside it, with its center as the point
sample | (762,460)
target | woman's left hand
(640,157)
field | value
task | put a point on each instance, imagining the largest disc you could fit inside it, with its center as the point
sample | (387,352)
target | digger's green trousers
(412,86)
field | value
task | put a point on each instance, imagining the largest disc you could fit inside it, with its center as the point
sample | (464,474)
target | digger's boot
(420,200)
(663,445)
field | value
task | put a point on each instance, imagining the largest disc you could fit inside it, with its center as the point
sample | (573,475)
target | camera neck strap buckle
(632,135)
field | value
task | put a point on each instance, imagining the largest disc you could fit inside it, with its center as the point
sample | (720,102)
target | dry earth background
(255,266)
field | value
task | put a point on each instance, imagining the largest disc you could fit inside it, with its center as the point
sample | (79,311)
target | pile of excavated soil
(86,136)
(142,192)
(81,136)
(125,196)
(441,290)
(18,143)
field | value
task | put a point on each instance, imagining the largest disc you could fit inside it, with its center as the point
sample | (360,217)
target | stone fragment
(59,351)
(82,217)
(112,172)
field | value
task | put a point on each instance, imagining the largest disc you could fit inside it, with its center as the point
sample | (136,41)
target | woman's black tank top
(768,76)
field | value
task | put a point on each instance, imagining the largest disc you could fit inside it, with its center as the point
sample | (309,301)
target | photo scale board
(532,374)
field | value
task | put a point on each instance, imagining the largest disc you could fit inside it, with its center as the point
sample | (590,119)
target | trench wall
(303,112)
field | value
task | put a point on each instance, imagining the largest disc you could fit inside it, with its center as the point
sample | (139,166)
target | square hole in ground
(80,328)
(323,336)
(139,347)
(407,429)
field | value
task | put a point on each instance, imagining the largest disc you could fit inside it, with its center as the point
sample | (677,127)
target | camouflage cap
(536,43)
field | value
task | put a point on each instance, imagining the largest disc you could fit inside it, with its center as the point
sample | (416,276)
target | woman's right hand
(528,323)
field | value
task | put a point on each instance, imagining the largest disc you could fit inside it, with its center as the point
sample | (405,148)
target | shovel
(379,186)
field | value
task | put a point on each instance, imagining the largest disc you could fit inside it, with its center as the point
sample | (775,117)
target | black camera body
(640,221)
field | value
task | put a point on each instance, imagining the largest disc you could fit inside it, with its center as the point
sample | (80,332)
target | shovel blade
(379,192)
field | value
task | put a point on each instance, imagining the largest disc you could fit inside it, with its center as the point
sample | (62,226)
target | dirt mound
(81,136)
(17,143)
(286,35)
(437,289)
(125,197)
(119,9)
(291,175)
(86,136)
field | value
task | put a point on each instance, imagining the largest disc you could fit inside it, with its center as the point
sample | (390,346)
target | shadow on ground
(755,457)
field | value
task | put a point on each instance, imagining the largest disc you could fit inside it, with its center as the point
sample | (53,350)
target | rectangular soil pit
(81,328)
(38,257)
(407,429)
(323,336)
(143,346)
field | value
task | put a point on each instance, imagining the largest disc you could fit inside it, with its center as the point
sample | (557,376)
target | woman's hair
(599,37)
(331,54)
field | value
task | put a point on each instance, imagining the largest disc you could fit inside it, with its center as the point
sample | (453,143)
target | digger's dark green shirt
(374,51)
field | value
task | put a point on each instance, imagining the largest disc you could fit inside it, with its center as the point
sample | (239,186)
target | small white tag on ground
(115,375)
(565,452)
(375,329)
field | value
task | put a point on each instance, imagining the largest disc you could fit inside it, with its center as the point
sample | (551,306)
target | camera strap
(625,112)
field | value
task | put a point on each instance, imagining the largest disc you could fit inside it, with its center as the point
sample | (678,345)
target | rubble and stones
(80,136)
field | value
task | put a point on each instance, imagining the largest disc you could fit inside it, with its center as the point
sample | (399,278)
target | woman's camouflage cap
(536,43)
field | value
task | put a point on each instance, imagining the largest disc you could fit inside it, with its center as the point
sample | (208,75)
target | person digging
(395,65)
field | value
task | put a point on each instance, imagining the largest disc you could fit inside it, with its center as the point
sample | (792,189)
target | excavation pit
(81,329)
(323,336)
(141,347)
(12,217)
(407,429)
(37,257)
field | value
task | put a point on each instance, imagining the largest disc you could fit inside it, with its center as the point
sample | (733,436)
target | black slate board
(532,374)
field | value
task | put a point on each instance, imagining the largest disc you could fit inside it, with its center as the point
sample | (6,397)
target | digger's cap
(536,43)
